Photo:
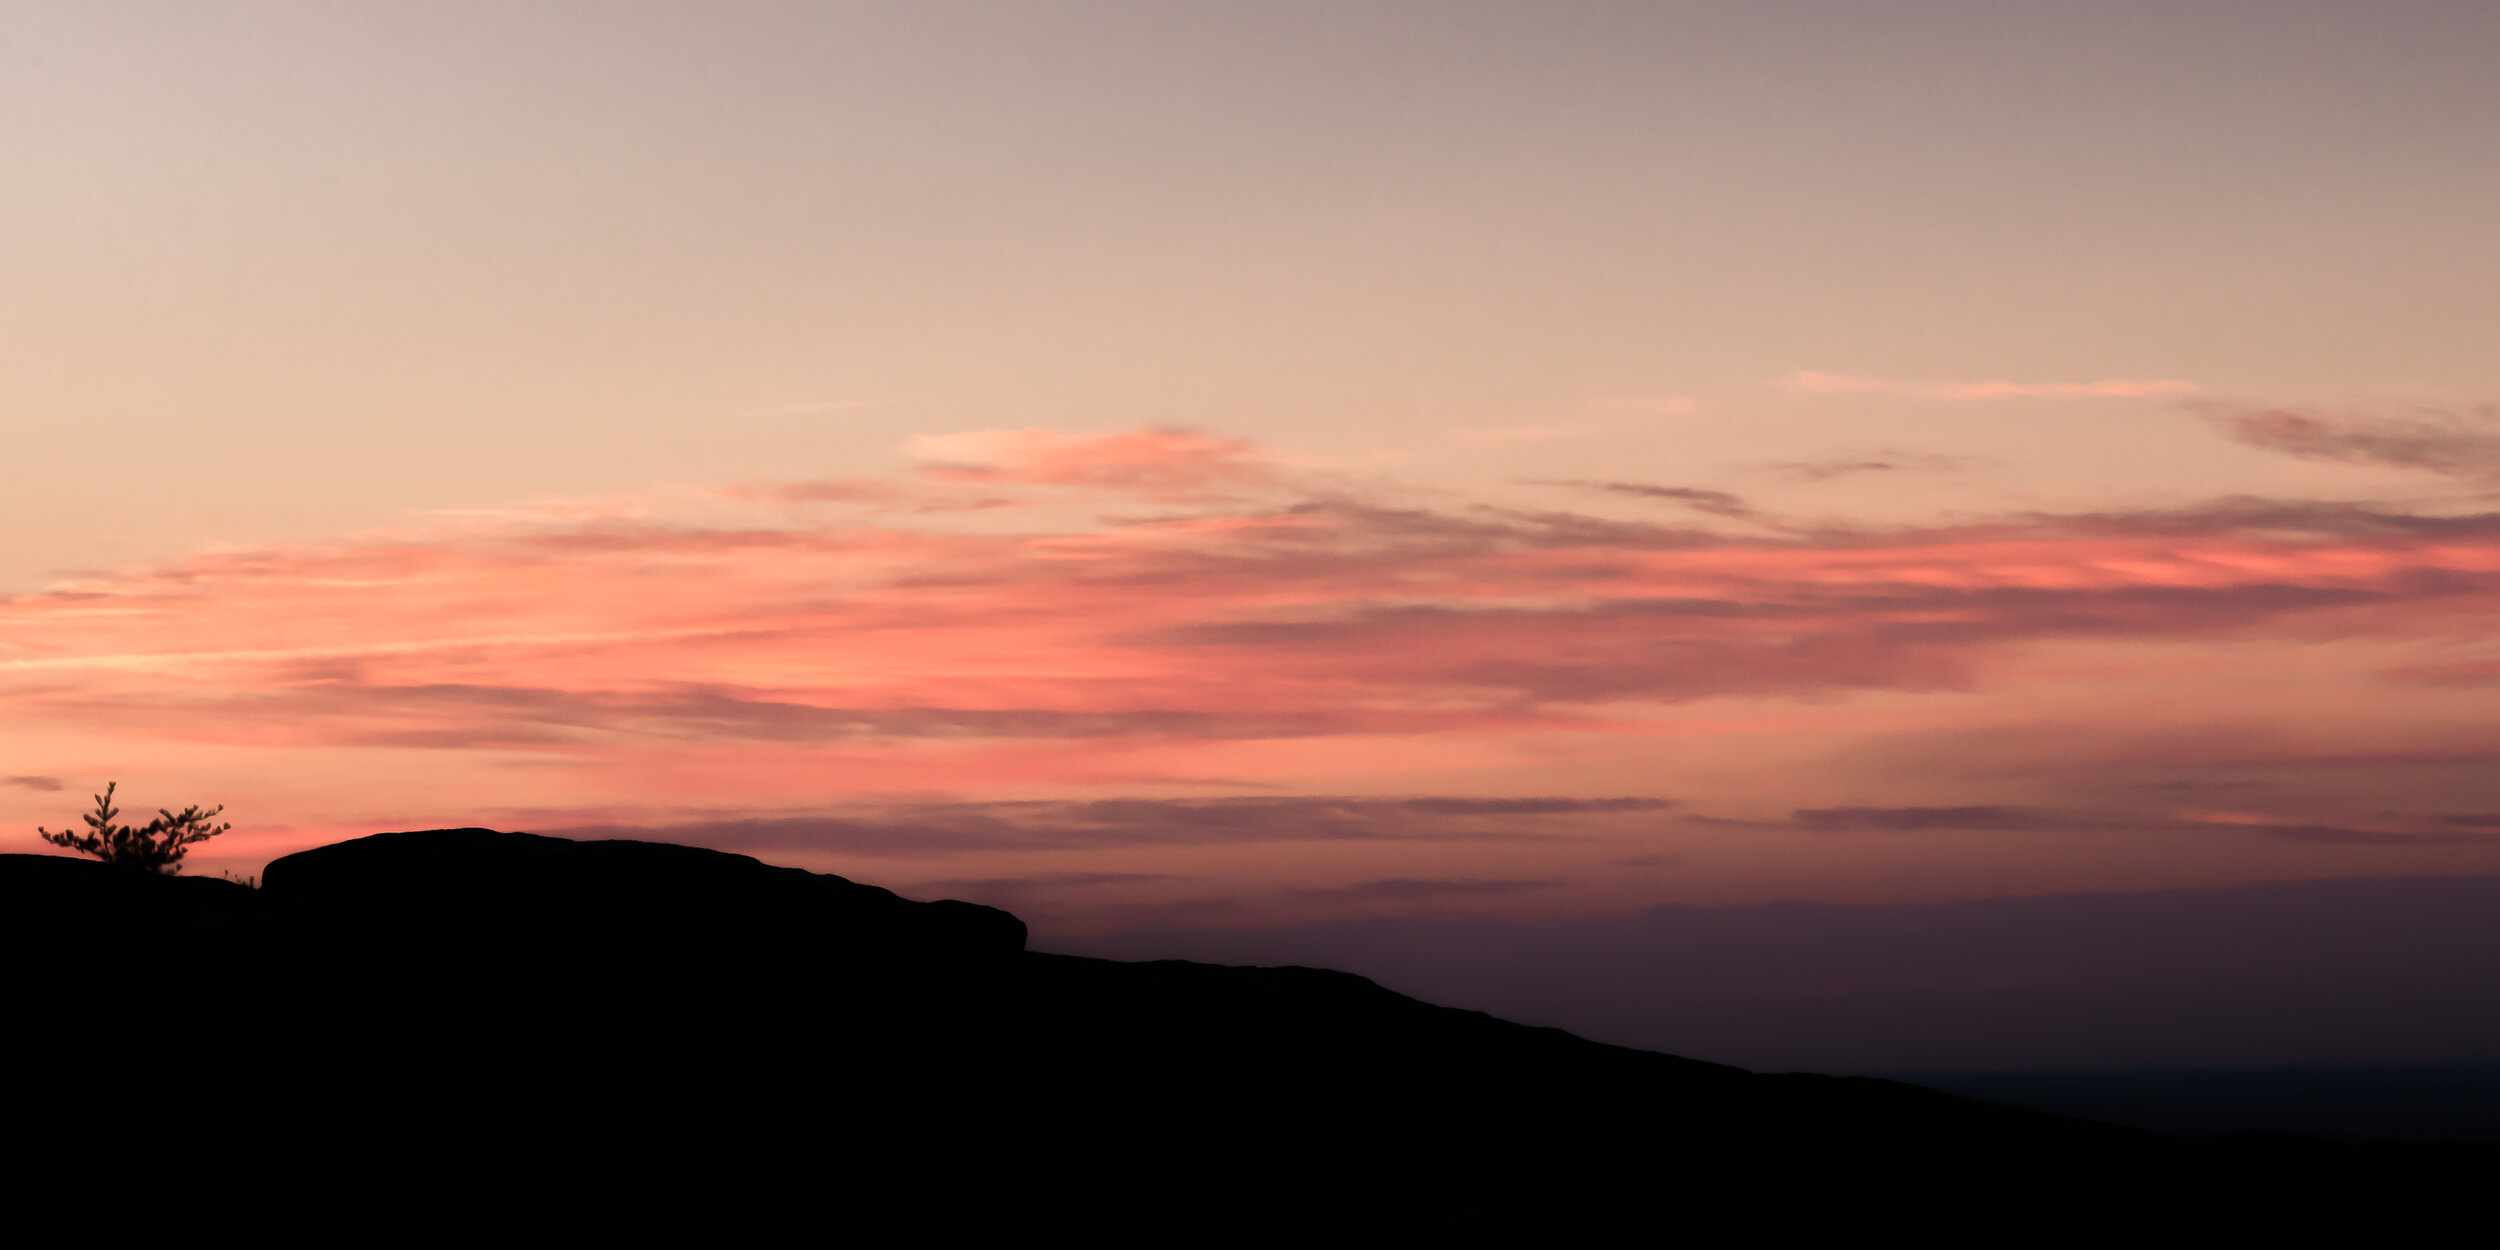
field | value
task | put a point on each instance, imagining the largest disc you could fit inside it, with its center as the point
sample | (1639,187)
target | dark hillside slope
(274,1072)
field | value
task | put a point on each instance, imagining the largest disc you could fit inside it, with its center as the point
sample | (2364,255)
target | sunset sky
(1257,465)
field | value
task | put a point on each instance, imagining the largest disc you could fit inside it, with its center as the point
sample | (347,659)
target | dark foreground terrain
(466,1038)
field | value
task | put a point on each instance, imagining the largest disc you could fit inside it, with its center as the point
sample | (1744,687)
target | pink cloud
(757,663)
(1814,383)
(1276,621)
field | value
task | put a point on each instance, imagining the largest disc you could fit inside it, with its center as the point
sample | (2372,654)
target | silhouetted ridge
(481,891)
(566,1077)
(58,898)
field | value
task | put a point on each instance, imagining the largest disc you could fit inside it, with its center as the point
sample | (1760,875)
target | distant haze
(2318,973)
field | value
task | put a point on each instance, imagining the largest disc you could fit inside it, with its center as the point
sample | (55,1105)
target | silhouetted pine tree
(157,846)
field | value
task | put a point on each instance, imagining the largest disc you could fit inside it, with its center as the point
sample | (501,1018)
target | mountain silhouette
(464,1037)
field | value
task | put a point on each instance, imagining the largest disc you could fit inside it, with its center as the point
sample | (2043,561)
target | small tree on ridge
(157,846)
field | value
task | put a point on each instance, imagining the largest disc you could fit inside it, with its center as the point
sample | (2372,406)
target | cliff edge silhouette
(470,1037)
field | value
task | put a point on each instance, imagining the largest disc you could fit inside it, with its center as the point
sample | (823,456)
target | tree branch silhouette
(157,846)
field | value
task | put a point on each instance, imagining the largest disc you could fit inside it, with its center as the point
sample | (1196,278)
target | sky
(1259,469)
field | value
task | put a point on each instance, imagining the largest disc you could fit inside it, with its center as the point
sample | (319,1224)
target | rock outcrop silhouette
(82,902)
(478,891)
(470,1038)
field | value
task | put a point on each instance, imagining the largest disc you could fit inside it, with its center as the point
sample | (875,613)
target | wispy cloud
(927,829)
(1813,383)
(1881,460)
(32,783)
(1158,462)
(2458,443)
(1714,502)
(821,490)
(1256,632)
(1313,616)
(1411,889)
(1039,881)
(2457,674)
(2388,829)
